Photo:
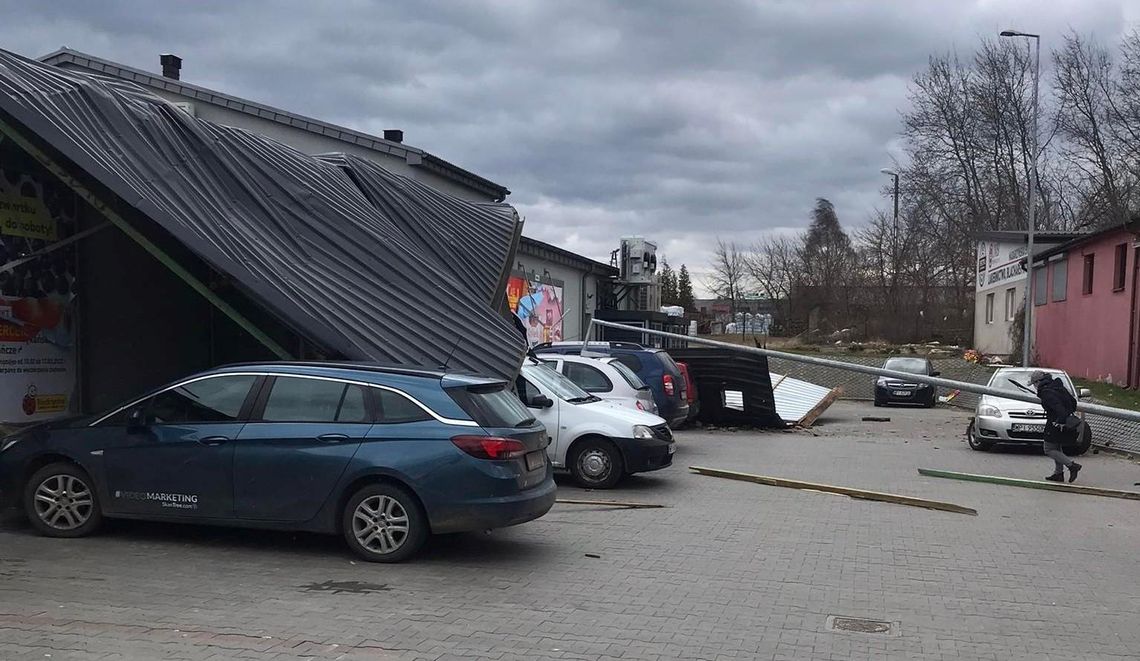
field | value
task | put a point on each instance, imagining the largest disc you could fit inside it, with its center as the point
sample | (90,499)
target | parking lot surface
(728,570)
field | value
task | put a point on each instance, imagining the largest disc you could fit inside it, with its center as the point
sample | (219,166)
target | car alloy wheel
(60,501)
(380,524)
(63,502)
(384,522)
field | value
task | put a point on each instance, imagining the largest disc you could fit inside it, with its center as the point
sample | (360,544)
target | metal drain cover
(861,625)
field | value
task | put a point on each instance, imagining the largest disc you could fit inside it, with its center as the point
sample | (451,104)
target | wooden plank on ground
(813,415)
(609,503)
(846,491)
(1032,484)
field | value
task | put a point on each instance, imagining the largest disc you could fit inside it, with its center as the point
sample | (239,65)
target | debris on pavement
(875,418)
(800,403)
(610,503)
(1032,484)
(860,494)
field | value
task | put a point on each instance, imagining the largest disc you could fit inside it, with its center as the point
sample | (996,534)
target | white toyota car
(1000,420)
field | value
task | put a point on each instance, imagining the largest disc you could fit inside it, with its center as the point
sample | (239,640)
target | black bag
(1072,423)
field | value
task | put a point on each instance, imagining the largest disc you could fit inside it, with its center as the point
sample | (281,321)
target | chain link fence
(1107,432)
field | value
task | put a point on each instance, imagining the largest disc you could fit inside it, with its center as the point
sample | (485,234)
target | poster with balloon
(37,291)
(539,305)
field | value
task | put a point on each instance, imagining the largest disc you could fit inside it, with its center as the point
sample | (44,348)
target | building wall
(993,337)
(1087,334)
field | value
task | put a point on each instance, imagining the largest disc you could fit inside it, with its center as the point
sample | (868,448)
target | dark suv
(655,367)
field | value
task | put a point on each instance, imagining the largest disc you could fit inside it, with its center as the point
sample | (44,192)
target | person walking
(1059,404)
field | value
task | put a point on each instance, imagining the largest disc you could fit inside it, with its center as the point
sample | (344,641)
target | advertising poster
(37,285)
(539,306)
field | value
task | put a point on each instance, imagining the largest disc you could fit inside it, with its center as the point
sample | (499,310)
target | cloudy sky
(678,120)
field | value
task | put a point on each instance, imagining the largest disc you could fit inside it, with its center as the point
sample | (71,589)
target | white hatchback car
(1001,420)
(598,442)
(607,378)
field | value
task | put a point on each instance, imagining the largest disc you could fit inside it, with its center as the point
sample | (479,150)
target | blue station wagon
(383,456)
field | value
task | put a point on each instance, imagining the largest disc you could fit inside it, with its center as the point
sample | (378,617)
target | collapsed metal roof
(366,264)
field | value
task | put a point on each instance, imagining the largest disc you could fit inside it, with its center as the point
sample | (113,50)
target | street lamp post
(894,265)
(1028,335)
(892,173)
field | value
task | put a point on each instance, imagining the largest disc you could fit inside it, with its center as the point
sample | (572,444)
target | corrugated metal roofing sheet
(295,231)
(795,399)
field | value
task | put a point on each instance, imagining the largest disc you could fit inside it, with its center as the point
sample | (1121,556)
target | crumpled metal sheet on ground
(295,231)
(800,402)
(734,387)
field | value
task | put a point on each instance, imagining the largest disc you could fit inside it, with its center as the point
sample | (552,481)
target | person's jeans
(1053,451)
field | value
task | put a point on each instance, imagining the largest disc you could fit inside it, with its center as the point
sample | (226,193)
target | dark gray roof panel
(445,225)
(295,231)
(446,168)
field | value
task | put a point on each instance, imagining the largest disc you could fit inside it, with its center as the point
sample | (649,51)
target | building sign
(37,326)
(539,305)
(999,264)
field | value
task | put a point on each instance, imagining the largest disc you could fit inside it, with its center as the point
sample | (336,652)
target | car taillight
(667,382)
(490,447)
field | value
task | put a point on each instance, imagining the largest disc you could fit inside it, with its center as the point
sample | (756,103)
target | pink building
(1086,312)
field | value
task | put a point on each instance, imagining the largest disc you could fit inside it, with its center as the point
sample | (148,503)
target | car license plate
(1032,429)
(901,393)
(535,460)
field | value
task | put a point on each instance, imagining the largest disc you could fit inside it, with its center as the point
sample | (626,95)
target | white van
(598,442)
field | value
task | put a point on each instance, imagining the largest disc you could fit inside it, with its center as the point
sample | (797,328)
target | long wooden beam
(1032,484)
(829,488)
(609,503)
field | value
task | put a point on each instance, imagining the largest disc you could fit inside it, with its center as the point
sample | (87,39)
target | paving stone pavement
(730,570)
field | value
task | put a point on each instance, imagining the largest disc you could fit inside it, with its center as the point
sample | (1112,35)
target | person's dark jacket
(1059,404)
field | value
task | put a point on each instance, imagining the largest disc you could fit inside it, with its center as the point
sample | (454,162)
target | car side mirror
(136,420)
(1084,393)
(936,374)
(541,402)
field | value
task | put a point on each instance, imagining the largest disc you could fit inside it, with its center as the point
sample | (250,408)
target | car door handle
(214,441)
(332,438)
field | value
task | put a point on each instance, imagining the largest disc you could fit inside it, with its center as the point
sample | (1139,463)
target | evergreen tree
(685,290)
(668,280)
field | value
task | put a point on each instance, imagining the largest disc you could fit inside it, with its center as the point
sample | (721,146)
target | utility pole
(1027,338)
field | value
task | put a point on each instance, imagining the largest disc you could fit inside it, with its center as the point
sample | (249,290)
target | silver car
(606,378)
(1001,420)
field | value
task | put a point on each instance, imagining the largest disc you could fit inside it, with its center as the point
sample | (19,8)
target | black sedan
(889,390)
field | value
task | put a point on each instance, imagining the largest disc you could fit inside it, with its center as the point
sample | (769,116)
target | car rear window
(670,364)
(629,375)
(491,406)
(629,360)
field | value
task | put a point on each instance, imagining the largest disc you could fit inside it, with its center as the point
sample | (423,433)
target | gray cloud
(676,120)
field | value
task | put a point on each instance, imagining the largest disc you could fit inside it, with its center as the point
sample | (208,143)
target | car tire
(60,500)
(596,464)
(930,403)
(384,523)
(976,443)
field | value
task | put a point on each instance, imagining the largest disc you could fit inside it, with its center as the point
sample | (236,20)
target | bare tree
(1085,86)
(728,273)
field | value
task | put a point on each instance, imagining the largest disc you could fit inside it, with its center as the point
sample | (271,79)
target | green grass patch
(1111,395)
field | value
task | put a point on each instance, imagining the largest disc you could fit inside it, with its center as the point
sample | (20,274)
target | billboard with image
(539,305)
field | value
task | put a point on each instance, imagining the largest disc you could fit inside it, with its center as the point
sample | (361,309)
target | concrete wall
(1087,334)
